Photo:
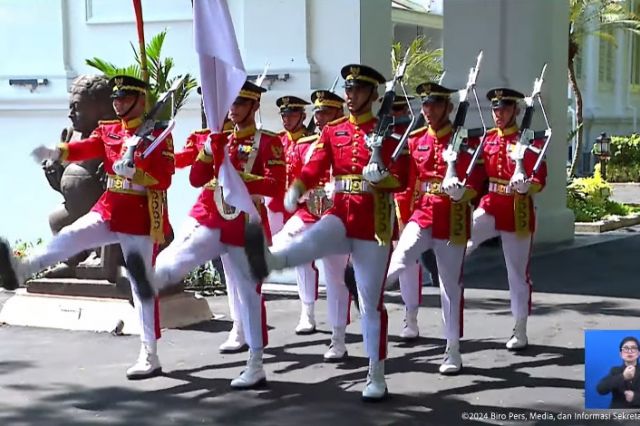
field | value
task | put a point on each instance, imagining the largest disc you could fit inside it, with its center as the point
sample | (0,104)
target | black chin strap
(126,113)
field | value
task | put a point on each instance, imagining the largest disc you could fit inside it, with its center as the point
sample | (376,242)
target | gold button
(355,144)
(354,168)
(354,160)
(355,151)
(356,135)
(357,127)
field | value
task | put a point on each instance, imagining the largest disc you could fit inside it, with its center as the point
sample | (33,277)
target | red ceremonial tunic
(342,150)
(265,178)
(434,208)
(513,212)
(125,206)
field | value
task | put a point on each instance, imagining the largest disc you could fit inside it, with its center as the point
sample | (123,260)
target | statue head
(90,102)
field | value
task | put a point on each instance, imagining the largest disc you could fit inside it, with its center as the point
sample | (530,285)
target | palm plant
(159,73)
(598,18)
(422,64)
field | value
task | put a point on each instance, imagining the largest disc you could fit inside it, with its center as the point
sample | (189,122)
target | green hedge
(624,165)
(589,199)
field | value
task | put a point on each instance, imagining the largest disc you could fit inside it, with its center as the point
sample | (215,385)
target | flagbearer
(507,210)
(215,228)
(360,220)
(131,212)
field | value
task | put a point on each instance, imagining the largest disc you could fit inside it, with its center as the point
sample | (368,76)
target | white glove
(42,153)
(121,168)
(372,173)
(520,183)
(330,189)
(291,198)
(207,147)
(453,188)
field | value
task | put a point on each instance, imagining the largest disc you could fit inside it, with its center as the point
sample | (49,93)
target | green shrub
(624,165)
(206,279)
(589,199)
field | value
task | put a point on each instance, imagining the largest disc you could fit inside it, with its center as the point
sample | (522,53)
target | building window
(606,60)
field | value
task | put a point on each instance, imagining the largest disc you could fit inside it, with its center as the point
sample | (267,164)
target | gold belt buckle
(356,185)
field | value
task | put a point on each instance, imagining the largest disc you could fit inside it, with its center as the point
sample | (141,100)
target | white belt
(352,186)
(118,183)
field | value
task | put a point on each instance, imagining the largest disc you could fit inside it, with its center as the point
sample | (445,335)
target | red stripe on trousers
(263,316)
(461,284)
(384,319)
(317,280)
(527,277)
(156,300)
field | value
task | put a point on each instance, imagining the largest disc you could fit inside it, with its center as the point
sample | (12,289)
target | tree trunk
(577,154)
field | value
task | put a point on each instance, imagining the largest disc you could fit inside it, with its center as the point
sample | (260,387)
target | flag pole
(137,7)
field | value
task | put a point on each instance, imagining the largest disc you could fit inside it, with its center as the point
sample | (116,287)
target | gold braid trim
(140,177)
(521,209)
(156,202)
(202,156)
(63,147)
(387,182)
(458,222)
(382,207)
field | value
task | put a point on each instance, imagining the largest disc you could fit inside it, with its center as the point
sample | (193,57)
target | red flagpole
(137,7)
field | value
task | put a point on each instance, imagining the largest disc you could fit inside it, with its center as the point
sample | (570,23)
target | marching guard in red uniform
(507,210)
(215,228)
(410,279)
(360,222)
(327,107)
(442,216)
(131,212)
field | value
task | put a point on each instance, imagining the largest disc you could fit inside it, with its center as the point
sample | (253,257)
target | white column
(517,38)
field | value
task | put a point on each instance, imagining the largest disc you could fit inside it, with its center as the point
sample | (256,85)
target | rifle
(385,119)
(416,121)
(527,135)
(149,125)
(460,133)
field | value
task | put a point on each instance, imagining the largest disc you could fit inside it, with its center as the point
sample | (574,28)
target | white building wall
(309,39)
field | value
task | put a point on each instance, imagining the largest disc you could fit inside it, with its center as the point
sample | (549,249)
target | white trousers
(91,231)
(370,262)
(415,240)
(411,286)
(517,253)
(307,275)
(196,244)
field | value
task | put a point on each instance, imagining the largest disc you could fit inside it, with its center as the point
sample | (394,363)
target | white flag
(222,75)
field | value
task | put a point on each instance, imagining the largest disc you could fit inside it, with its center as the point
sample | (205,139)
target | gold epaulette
(338,121)
(268,132)
(201,131)
(227,132)
(108,122)
(419,131)
(282,132)
(492,130)
(308,139)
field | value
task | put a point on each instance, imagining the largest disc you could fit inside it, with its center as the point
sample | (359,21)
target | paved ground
(54,377)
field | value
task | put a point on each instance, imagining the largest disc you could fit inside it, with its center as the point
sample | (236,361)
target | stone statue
(81,184)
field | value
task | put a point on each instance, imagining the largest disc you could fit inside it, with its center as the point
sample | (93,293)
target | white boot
(376,388)
(337,350)
(410,330)
(452,363)
(307,323)
(519,339)
(254,375)
(147,365)
(235,342)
